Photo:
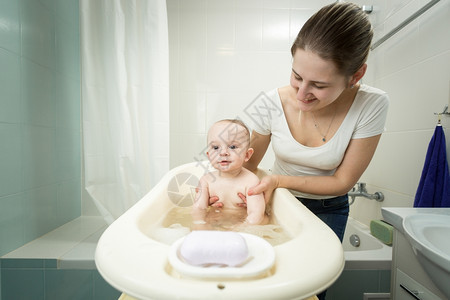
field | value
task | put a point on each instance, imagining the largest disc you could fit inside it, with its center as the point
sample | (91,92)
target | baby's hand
(213,201)
(244,199)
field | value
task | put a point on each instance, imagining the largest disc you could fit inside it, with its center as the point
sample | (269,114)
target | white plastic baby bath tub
(132,260)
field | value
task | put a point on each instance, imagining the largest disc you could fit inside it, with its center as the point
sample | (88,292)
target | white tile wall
(224,53)
(414,68)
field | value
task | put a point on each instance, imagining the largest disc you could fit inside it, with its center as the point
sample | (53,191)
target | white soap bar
(202,247)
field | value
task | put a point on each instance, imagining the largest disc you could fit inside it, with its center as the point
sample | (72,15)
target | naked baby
(228,149)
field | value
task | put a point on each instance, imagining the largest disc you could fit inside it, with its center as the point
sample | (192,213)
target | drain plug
(354,240)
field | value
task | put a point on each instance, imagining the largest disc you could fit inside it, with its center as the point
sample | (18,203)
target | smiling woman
(317,83)
(329,125)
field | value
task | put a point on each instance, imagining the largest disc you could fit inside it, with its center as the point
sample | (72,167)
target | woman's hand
(267,185)
(213,201)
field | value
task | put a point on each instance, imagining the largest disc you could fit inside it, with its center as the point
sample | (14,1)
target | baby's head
(228,144)
(229,130)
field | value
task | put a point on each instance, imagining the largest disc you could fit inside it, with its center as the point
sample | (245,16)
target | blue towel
(434,185)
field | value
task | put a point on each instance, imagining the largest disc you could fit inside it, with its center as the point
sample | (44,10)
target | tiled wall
(45,281)
(39,118)
(352,284)
(224,53)
(414,68)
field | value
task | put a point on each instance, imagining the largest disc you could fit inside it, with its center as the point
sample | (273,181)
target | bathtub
(371,254)
(134,261)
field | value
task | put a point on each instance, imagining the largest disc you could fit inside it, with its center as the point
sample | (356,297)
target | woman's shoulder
(368,91)
(369,96)
(285,92)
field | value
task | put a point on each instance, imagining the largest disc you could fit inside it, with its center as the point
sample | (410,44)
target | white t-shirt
(365,118)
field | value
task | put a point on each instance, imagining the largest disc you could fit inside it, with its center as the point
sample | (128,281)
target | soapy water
(179,222)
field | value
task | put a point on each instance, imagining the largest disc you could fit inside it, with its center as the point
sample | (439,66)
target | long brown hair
(340,32)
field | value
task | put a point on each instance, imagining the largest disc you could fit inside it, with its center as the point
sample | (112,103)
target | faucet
(361,191)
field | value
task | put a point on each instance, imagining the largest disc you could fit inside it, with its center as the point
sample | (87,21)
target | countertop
(395,215)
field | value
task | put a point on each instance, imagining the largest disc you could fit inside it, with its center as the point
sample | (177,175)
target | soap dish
(261,254)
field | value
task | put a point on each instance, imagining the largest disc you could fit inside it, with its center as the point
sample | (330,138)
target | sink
(428,235)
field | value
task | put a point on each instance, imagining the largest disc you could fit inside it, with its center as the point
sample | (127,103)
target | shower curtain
(125,100)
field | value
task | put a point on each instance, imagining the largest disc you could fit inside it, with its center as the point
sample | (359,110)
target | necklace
(324,136)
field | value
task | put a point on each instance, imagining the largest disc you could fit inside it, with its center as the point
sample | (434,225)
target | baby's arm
(199,211)
(256,207)
(202,195)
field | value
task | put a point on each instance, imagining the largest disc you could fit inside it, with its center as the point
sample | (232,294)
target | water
(179,221)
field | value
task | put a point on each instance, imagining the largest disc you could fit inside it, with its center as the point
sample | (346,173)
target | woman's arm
(259,143)
(357,157)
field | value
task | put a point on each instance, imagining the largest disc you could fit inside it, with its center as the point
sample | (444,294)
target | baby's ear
(249,154)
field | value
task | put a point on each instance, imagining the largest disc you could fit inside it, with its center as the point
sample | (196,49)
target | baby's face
(227,146)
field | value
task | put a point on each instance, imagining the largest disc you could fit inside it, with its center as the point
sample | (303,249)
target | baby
(228,149)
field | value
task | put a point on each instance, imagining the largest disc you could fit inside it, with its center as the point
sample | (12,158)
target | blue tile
(14,282)
(38,33)
(385,281)
(68,10)
(68,99)
(11,223)
(69,200)
(67,49)
(50,4)
(9,85)
(25,263)
(10,29)
(68,149)
(10,159)
(50,263)
(68,284)
(38,94)
(40,209)
(39,156)
(352,284)
(103,290)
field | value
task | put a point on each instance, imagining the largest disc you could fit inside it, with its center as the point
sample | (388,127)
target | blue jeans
(333,212)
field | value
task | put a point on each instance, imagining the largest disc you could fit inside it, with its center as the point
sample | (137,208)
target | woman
(330,124)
